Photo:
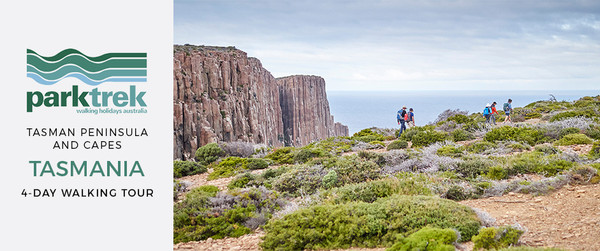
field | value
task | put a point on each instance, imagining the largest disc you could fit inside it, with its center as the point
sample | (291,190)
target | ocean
(360,110)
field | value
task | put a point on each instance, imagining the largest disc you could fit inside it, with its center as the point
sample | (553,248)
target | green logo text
(94,98)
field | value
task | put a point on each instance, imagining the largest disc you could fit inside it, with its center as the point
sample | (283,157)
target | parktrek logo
(109,67)
(93,71)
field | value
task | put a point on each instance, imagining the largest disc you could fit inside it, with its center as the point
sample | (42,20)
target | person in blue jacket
(401,117)
(508,110)
(487,113)
(411,118)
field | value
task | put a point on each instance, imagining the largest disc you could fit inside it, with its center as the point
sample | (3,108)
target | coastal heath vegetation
(373,189)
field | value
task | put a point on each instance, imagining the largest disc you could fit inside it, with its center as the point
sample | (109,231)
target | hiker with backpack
(487,112)
(508,110)
(402,117)
(494,111)
(411,118)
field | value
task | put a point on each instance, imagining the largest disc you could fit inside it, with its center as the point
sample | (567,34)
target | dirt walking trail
(568,218)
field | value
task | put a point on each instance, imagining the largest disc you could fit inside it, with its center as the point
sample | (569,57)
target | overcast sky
(408,45)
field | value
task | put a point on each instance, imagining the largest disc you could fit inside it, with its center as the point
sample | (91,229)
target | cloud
(386,45)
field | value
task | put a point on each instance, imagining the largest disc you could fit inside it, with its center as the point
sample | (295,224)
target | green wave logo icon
(109,67)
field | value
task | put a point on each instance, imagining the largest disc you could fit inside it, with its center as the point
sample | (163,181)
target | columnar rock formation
(305,109)
(220,94)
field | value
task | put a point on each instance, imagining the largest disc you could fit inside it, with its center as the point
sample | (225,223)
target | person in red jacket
(494,111)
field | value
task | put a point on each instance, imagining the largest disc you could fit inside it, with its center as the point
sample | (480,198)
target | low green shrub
(573,114)
(306,154)
(387,138)
(573,139)
(361,224)
(184,168)
(460,119)
(206,190)
(425,138)
(282,155)
(533,115)
(209,153)
(377,143)
(546,149)
(240,181)
(397,144)
(365,132)
(368,135)
(328,162)
(308,178)
(330,179)
(496,238)
(369,138)
(497,173)
(549,106)
(300,179)
(457,193)
(595,151)
(411,132)
(480,146)
(427,238)
(518,147)
(527,135)
(474,126)
(370,191)
(378,158)
(461,135)
(204,214)
(275,172)
(366,191)
(536,162)
(525,182)
(228,167)
(471,168)
(593,132)
(526,163)
(450,151)
(569,130)
(587,102)
(334,145)
(352,169)
(483,185)
(256,163)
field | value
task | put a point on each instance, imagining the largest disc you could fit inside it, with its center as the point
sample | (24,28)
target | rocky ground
(246,242)
(568,218)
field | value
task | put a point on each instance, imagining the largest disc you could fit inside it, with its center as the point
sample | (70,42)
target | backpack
(505,107)
(486,111)
(406,116)
(401,115)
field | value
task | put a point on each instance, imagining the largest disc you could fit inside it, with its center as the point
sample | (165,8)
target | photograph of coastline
(386,125)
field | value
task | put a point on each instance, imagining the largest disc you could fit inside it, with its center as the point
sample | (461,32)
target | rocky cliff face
(305,110)
(222,95)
